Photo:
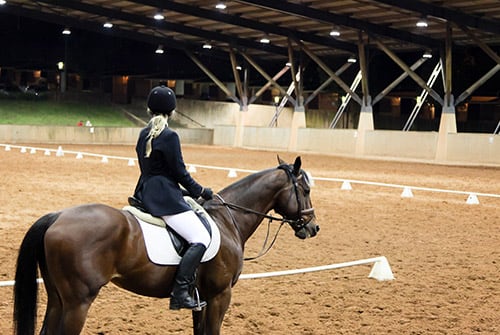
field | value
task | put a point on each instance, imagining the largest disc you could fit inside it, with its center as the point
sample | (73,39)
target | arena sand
(443,252)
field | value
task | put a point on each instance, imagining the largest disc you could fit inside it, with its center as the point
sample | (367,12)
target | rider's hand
(207,193)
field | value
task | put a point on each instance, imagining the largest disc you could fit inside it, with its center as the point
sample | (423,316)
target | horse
(80,249)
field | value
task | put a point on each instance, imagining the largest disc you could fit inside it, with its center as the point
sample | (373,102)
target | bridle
(297,224)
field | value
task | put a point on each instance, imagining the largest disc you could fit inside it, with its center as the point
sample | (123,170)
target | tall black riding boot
(184,280)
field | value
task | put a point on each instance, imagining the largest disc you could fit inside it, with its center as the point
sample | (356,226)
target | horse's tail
(31,253)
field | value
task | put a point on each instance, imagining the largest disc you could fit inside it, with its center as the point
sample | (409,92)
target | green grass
(60,113)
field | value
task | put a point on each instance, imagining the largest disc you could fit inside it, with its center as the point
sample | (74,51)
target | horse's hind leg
(53,314)
(76,297)
(67,318)
(73,318)
(67,304)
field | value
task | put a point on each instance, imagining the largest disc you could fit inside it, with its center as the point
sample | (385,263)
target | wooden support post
(448,122)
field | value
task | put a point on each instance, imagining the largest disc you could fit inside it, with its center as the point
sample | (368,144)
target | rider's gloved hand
(207,193)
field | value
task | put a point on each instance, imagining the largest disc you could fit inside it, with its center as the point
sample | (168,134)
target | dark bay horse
(81,249)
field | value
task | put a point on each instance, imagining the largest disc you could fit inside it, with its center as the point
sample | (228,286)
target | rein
(249,210)
(264,249)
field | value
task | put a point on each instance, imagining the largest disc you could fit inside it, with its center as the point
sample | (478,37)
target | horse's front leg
(199,318)
(215,311)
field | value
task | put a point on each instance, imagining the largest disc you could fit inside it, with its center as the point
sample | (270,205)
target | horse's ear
(296,166)
(280,161)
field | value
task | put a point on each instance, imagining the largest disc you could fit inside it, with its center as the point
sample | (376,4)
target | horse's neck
(257,193)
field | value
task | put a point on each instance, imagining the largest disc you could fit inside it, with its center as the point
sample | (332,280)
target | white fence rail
(381,270)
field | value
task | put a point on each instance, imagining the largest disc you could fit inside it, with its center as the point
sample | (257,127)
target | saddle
(180,244)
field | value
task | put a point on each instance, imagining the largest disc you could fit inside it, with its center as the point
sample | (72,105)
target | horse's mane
(247,180)
(256,175)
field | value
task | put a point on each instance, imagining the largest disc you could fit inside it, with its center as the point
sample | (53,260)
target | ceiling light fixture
(107,25)
(159,50)
(66,31)
(2,2)
(276,99)
(422,23)
(265,40)
(207,46)
(334,32)
(427,54)
(220,5)
(159,16)
(352,59)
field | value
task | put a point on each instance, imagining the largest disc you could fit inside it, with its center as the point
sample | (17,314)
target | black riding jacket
(162,173)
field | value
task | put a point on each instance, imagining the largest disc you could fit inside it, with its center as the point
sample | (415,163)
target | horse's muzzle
(309,230)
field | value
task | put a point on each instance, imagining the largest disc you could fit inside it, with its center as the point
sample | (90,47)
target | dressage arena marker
(472,196)
(346,185)
(192,169)
(59,152)
(472,199)
(407,193)
(79,155)
(33,151)
(232,173)
(381,270)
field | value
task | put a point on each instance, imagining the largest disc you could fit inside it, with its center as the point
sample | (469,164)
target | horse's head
(294,202)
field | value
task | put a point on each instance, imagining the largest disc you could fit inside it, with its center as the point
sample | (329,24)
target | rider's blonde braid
(157,124)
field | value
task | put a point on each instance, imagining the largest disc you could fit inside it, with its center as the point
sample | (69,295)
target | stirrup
(195,303)
(200,304)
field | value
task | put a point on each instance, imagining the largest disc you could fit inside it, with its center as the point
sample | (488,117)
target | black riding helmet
(161,100)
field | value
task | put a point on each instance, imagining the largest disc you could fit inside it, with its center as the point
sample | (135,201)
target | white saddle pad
(161,249)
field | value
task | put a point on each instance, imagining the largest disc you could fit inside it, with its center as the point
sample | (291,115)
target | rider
(162,171)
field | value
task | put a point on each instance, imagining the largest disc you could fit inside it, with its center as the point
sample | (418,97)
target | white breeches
(188,225)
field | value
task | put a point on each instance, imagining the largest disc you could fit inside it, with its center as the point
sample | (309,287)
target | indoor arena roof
(193,24)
